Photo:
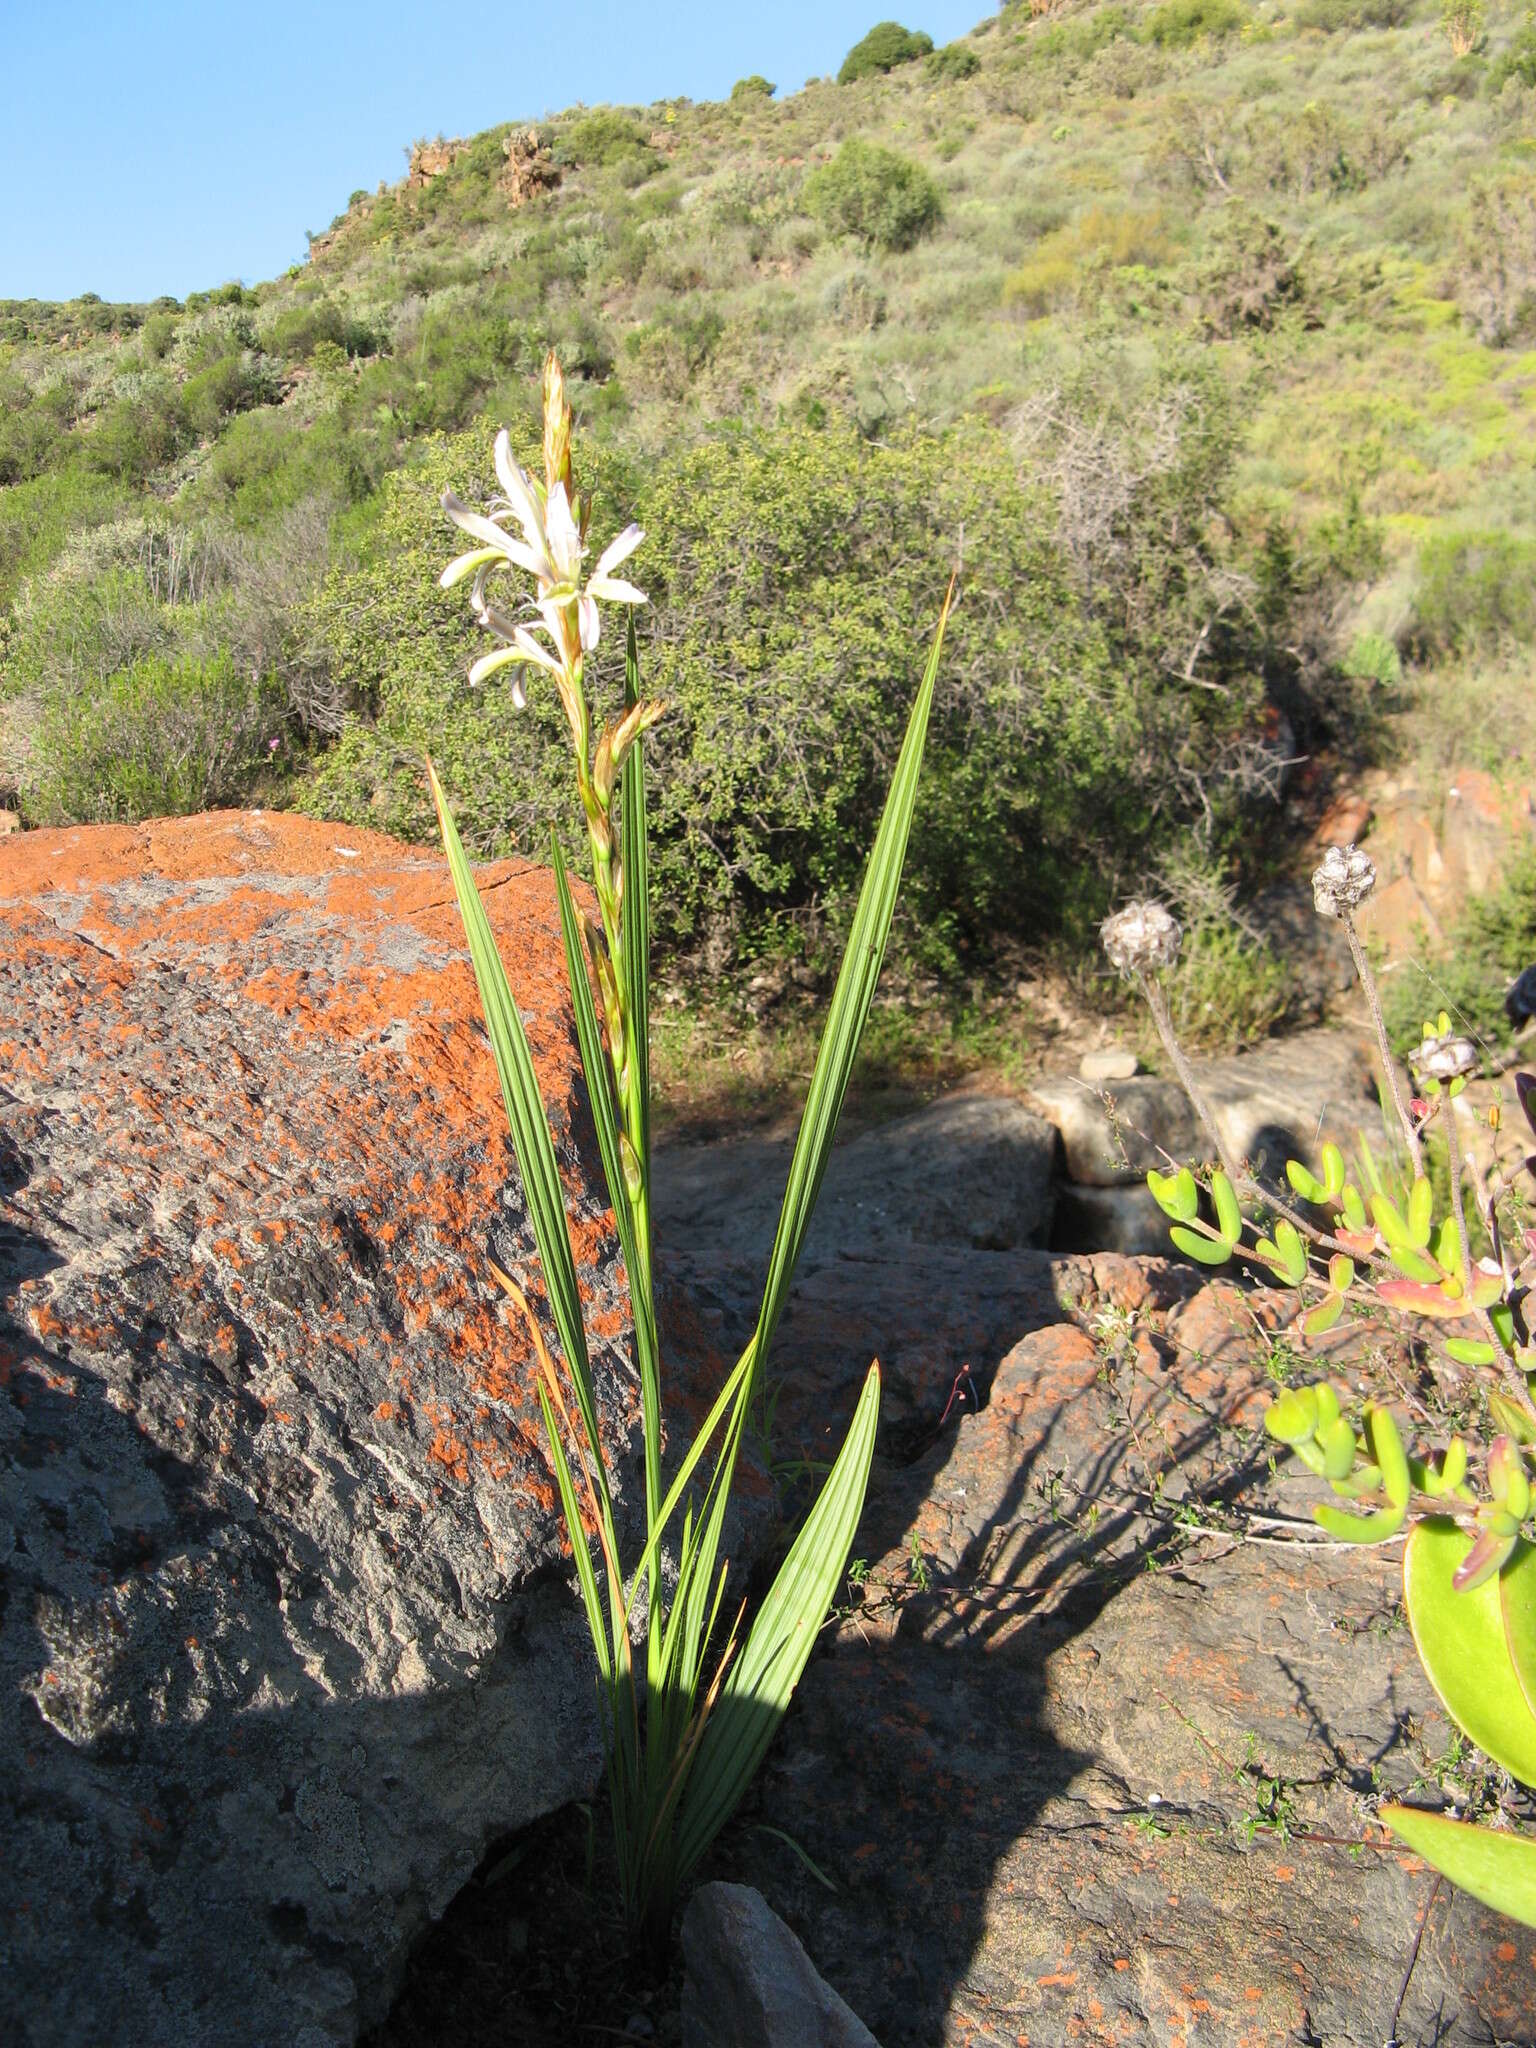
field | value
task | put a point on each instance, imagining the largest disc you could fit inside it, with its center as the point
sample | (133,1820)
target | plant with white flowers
(685,1735)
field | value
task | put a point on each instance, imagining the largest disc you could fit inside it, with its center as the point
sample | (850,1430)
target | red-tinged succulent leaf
(1487,1288)
(1489,1549)
(1318,1320)
(1341,1272)
(1358,1243)
(1420,1300)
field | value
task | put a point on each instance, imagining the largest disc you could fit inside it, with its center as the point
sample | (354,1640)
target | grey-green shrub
(1179,23)
(754,88)
(158,738)
(884,199)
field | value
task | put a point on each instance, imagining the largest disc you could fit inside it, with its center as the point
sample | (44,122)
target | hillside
(1202,334)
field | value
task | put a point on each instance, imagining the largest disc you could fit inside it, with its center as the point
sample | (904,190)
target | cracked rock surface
(285,1630)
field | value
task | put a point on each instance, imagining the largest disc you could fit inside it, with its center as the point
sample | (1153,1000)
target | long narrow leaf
(635,912)
(525,1113)
(755,1695)
(605,1119)
(850,1007)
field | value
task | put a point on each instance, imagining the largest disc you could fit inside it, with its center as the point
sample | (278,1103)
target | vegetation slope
(1200,335)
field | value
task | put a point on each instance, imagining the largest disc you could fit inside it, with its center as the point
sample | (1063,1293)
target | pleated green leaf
(605,1120)
(635,911)
(757,1691)
(525,1116)
(850,1007)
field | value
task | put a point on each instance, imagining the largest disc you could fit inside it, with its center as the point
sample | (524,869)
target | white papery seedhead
(1346,877)
(1141,939)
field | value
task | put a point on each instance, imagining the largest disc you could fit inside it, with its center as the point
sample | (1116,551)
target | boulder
(1268,1104)
(969,1170)
(749,1983)
(1066,1798)
(287,1632)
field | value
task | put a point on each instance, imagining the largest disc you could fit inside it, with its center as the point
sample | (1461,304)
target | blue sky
(154,146)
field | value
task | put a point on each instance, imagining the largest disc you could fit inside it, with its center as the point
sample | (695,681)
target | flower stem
(1388,1064)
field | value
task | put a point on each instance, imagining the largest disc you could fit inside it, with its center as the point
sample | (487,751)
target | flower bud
(1445,1058)
(1346,877)
(557,429)
(1141,938)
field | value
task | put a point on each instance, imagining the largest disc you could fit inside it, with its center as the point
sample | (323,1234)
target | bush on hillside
(1346,17)
(608,140)
(1177,24)
(1497,286)
(297,333)
(794,576)
(954,60)
(162,738)
(1476,595)
(1517,61)
(887,45)
(884,199)
(754,88)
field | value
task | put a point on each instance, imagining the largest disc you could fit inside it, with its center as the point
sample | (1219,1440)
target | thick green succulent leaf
(1333,1171)
(1209,1251)
(1511,1418)
(1493,1865)
(757,1690)
(1305,1181)
(1338,1446)
(1318,1321)
(1344,1527)
(1471,1350)
(1354,1209)
(1464,1649)
(1292,1250)
(1517,1602)
(1385,1446)
(1421,1204)
(1389,1221)
(1413,1265)
(1292,1417)
(1229,1218)
(1175,1193)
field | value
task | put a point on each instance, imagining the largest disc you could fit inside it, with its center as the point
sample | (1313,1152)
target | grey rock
(970,1170)
(286,1636)
(1268,1104)
(749,1983)
(1123,1219)
(1112,1064)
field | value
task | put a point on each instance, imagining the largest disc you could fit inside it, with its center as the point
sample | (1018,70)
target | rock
(970,1170)
(288,1634)
(1268,1105)
(749,1983)
(1345,820)
(1112,1064)
(430,160)
(1069,1799)
(10,821)
(1123,1219)
(530,168)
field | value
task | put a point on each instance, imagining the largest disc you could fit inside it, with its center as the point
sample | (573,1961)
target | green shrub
(1476,594)
(754,88)
(1493,940)
(1177,24)
(1344,17)
(158,739)
(608,140)
(882,198)
(1518,61)
(296,333)
(232,384)
(1373,658)
(157,335)
(133,437)
(887,45)
(798,571)
(954,60)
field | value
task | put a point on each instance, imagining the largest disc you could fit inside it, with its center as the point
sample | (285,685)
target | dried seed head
(1141,938)
(1444,1059)
(1346,877)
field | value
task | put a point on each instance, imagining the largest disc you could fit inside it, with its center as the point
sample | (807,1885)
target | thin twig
(1413,1957)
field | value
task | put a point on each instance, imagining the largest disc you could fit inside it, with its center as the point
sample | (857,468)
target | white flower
(548,547)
